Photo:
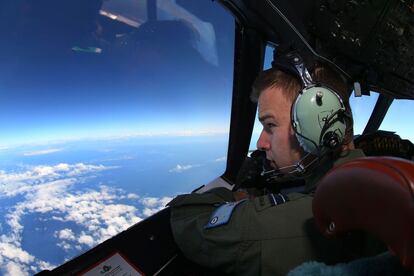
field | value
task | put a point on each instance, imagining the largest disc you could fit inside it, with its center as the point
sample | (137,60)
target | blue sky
(164,84)
(156,86)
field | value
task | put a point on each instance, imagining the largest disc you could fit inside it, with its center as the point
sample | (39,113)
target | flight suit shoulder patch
(222,214)
(269,200)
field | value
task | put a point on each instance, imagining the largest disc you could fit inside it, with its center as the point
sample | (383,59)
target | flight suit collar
(344,156)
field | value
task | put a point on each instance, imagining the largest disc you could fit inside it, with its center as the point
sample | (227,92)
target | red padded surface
(374,194)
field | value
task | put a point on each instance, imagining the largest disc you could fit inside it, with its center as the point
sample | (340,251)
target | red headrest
(375,194)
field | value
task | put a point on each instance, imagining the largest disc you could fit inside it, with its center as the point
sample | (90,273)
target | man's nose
(264,141)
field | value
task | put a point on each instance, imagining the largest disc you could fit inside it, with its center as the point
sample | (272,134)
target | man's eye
(269,126)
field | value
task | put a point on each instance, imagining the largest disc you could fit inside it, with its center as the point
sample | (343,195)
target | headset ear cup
(318,118)
(331,140)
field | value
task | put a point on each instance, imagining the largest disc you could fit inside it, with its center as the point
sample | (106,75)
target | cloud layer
(40,178)
(221,159)
(180,168)
(41,152)
(99,213)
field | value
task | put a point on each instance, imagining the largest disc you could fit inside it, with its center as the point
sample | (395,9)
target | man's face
(277,137)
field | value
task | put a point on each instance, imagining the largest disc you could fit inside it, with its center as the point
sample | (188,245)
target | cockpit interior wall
(376,34)
(369,40)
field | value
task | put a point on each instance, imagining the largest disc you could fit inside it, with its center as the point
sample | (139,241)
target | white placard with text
(115,265)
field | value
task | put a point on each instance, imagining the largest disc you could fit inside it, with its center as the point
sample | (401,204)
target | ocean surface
(59,200)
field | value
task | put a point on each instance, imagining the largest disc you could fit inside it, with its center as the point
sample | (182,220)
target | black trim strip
(248,62)
(380,110)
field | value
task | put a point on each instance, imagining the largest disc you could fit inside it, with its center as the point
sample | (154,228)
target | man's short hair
(290,86)
(273,77)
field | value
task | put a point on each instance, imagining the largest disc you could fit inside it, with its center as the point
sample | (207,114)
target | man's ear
(292,132)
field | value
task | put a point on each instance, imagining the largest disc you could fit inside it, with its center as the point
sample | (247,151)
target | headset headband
(292,63)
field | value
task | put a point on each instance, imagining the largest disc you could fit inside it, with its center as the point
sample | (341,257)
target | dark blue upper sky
(73,69)
(109,71)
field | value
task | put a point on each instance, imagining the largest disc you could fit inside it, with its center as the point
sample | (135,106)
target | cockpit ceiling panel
(377,34)
(371,40)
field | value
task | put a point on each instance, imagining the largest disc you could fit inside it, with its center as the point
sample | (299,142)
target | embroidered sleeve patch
(222,214)
(277,199)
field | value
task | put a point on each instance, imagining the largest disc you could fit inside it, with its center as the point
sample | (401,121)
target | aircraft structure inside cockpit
(111,109)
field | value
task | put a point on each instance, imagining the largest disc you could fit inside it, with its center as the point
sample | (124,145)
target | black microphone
(298,171)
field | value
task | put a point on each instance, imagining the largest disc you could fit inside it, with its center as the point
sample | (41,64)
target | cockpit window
(399,119)
(267,64)
(362,108)
(107,110)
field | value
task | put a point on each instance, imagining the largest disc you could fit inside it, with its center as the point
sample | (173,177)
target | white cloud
(16,261)
(44,265)
(90,210)
(14,183)
(12,269)
(113,136)
(15,253)
(98,213)
(65,234)
(155,201)
(119,158)
(132,196)
(221,159)
(86,239)
(64,245)
(150,201)
(43,187)
(180,168)
(41,152)
(154,204)
(62,167)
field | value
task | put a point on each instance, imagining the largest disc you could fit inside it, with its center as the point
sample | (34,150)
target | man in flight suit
(266,231)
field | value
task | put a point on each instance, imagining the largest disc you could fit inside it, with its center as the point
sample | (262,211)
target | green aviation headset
(317,114)
(317,117)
